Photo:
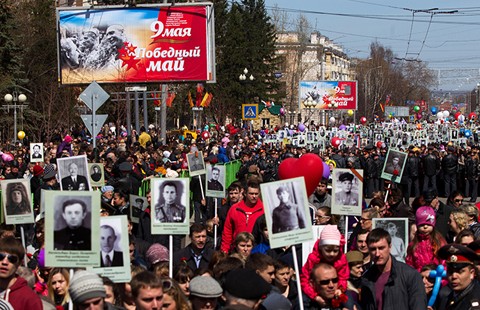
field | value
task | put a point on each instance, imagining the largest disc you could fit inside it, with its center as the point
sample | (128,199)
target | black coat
(431,165)
(185,256)
(450,164)
(463,301)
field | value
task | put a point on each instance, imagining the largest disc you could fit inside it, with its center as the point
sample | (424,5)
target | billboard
(329,95)
(157,43)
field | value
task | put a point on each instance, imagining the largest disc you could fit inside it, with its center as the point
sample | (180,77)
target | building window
(266,122)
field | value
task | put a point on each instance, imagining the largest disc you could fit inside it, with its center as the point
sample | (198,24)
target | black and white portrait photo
(110,251)
(137,205)
(72,172)
(216,175)
(72,226)
(196,165)
(36,152)
(393,166)
(286,210)
(398,230)
(73,230)
(347,190)
(170,205)
(16,201)
(96,174)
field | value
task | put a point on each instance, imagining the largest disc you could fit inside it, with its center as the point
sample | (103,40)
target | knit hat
(37,170)
(85,285)
(205,287)
(330,235)
(107,188)
(157,253)
(246,284)
(425,216)
(49,172)
(67,139)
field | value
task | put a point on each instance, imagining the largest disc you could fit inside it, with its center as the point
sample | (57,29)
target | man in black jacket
(195,255)
(389,283)
(431,166)
(450,169)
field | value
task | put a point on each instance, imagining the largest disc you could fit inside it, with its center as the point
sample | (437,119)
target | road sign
(94,96)
(249,111)
(94,126)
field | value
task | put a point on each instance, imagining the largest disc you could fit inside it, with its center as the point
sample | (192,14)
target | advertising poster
(16,201)
(136,44)
(329,95)
(114,254)
(72,228)
(170,206)
(287,212)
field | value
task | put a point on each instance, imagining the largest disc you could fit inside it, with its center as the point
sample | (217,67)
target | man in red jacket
(242,215)
(13,288)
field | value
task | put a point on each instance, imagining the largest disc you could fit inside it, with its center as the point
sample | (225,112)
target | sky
(447,40)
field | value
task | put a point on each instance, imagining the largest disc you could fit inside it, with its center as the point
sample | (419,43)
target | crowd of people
(226,261)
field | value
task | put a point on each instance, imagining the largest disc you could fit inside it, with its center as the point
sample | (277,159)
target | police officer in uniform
(346,197)
(75,236)
(287,216)
(213,183)
(464,289)
(169,211)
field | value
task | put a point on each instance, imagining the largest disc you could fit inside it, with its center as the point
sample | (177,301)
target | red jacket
(341,265)
(20,296)
(239,218)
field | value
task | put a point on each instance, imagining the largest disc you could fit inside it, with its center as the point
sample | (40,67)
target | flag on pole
(190,100)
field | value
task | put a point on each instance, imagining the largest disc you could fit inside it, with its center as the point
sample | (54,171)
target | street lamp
(243,76)
(15,97)
(244,79)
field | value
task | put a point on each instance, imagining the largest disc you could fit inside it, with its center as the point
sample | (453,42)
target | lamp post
(244,78)
(477,98)
(309,105)
(12,100)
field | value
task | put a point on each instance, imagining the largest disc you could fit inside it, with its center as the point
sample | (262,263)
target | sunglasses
(326,282)
(11,258)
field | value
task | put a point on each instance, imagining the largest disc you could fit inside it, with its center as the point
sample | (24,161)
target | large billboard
(160,43)
(328,95)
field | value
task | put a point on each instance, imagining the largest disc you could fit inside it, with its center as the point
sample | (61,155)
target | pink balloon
(7,157)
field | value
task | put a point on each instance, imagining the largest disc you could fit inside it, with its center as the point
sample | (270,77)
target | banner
(329,95)
(136,44)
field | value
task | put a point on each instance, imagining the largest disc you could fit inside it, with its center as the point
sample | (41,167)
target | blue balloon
(434,110)
(468,133)
(438,274)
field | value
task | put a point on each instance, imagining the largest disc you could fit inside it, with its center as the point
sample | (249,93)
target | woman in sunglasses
(173,297)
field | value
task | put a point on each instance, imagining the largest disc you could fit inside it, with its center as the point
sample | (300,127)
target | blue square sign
(249,111)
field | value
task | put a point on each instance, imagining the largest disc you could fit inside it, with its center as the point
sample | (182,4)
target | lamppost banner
(329,95)
(160,43)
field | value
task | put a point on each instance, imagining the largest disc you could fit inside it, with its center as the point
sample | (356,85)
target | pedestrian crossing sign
(249,111)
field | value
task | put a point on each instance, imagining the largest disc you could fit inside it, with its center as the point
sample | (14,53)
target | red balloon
(472,115)
(379,144)
(363,120)
(309,166)
(335,142)
(205,135)
(457,115)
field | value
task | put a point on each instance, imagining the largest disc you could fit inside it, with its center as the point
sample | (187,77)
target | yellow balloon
(21,134)
(350,112)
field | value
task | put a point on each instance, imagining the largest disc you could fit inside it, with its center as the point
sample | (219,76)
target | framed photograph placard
(72,228)
(16,201)
(398,230)
(347,191)
(137,205)
(114,254)
(196,165)
(287,212)
(215,181)
(170,206)
(36,152)
(394,165)
(96,174)
(73,173)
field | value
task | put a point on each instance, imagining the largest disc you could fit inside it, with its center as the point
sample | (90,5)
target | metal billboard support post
(163,116)
(145,111)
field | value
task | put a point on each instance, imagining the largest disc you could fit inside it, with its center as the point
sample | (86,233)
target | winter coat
(20,296)
(404,288)
(340,264)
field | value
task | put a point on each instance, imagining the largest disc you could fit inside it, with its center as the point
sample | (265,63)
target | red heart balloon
(309,166)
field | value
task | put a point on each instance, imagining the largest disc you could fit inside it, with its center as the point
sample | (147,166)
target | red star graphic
(127,55)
